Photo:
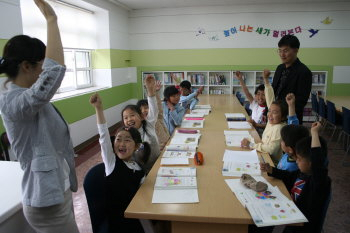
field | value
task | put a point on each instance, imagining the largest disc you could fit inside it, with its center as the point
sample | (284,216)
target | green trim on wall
(110,58)
(242,59)
(78,108)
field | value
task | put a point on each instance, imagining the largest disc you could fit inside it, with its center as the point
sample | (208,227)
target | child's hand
(95,100)
(290,99)
(158,85)
(200,89)
(266,74)
(315,127)
(239,76)
(170,106)
(245,143)
(46,10)
(252,122)
(150,83)
(265,167)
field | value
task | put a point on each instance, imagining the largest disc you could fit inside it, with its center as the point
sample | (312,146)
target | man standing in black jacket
(292,76)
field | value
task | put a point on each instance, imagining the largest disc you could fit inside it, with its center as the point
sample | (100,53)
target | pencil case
(198,158)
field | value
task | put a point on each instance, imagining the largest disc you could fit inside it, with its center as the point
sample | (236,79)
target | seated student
(188,99)
(173,112)
(277,115)
(310,186)
(161,130)
(123,173)
(291,134)
(132,117)
(257,104)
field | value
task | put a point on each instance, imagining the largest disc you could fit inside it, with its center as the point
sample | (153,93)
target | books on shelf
(260,80)
(196,79)
(267,208)
(238,125)
(217,91)
(173,78)
(177,171)
(319,79)
(217,79)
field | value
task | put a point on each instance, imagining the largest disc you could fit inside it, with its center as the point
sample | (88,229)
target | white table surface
(10,185)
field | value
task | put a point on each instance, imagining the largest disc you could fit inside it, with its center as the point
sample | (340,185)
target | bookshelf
(225,82)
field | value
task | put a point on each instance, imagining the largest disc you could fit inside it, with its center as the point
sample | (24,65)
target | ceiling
(151,4)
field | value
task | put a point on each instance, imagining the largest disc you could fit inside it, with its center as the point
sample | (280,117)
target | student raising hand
(158,85)
(150,83)
(239,75)
(266,74)
(46,10)
(95,100)
(290,99)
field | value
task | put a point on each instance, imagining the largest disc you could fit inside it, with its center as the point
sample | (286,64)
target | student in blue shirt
(173,112)
(290,135)
(188,99)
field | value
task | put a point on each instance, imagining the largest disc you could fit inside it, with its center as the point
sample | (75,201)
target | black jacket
(316,192)
(299,81)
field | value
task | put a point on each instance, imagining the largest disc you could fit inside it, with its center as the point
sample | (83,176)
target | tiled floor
(338,216)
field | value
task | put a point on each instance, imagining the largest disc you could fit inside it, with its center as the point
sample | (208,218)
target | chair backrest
(330,112)
(246,106)
(96,196)
(346,120)
(314,102)
(321,107)
(325,209)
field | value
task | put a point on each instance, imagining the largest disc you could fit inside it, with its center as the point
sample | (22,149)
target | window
(79,71)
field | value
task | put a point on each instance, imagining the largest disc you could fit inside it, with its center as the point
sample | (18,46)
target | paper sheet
(179,154)
(175,196)
(177,171)
(192,124)
(234,115)
(241,156)
(237,168)
(238,125)
(201,111)
(174,161)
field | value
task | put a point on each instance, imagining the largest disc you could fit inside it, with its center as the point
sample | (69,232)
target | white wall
(176,28)
(10,19)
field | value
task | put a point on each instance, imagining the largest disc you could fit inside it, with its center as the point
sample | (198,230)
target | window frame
(75,70)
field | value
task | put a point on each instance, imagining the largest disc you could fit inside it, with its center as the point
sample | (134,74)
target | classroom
(198,66)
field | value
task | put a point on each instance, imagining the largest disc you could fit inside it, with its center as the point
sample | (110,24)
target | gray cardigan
(39,137)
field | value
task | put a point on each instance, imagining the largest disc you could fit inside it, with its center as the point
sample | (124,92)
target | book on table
(238,125)
(235,117)
(237,163)
(177,171)
(192,124)
(234,138)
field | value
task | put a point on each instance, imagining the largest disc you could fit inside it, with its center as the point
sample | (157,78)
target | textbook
(194,115)
(238,125)
(188,182)
(177,171)
(241,156)
(174,161)
(234,138)
(181,147)
(200,111)
(185,139)
(231,168)
(267,208)
(192,124)
(235,117)
(198,106)
(179,154)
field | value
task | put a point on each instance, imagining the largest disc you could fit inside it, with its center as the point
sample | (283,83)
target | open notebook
(237,163)
(267,208)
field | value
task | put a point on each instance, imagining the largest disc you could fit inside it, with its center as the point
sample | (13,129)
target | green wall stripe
(78,108)
(110,58)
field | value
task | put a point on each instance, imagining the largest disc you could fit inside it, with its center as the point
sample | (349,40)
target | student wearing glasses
(292,76)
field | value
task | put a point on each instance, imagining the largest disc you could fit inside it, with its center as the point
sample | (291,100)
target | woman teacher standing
(38,134)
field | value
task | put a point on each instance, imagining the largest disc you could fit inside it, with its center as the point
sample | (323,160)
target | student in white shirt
(123,173)
(133,117)
(257,104)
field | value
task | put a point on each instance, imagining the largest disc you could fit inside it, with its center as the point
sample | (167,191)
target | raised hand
(239,75)
(46,10)
(315,127)
(290,99)
(150,83)
(266,74)
(158,85)
(95,100)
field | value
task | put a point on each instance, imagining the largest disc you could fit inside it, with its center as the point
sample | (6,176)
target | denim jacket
(39,137)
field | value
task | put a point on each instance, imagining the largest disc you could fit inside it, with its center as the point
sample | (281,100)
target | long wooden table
(218,209)
(339,101)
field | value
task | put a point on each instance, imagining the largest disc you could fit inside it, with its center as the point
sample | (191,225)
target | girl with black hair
(173,112)
(38,134)
(123,174)
(133,117)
